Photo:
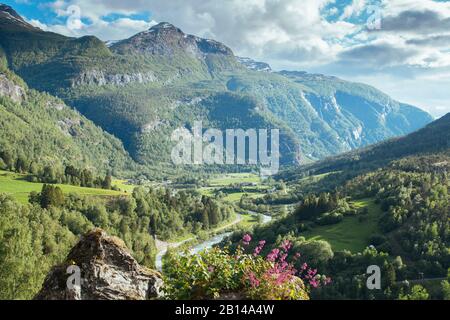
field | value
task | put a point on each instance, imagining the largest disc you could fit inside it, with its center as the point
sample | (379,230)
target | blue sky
(400,46)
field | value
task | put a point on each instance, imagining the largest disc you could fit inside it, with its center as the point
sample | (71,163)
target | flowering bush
(217,272)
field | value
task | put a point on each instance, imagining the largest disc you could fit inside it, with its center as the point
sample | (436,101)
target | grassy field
(350,234)
(231,178)
(248,220)
(235,197)
(231,197)
(234,178)
(16,185)
(123,185)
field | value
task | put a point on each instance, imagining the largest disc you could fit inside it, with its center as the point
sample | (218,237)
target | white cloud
(355,8)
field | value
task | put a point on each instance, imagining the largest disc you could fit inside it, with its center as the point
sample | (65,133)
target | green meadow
(351,233)
(16,185)
(232,178)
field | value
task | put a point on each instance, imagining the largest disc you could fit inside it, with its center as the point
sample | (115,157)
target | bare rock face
(96,77)
(107,272)
(9,89)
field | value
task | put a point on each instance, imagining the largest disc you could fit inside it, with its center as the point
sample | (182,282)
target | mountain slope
(43,131)
(429,142)
(142,88)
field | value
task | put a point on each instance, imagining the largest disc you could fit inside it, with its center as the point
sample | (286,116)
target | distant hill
(428,141)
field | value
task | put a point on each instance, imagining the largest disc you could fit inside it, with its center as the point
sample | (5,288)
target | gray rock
(254,65)
(9,89)
(107,270)
(96,77)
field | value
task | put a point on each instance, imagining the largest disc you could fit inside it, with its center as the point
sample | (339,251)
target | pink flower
(254,282)
(314,283)
(246,239)
(273,255)
(259,248)
(286,245)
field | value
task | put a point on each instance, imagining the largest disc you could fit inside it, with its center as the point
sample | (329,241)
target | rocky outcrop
(95,77)
(8,17)
(106,271)
(254,65)
(168,40)
(9,89)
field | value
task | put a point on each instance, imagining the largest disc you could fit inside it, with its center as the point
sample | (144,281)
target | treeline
(53,174)
(175,213)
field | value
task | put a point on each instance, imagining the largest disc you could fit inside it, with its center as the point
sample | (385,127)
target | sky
(402,47)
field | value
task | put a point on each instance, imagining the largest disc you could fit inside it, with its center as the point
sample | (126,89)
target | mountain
(429,141)
(41,130)
(166,39)
(140,89)
(9,19)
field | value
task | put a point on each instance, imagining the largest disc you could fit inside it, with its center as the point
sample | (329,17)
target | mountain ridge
(140,81)
(431,141)
(164,38)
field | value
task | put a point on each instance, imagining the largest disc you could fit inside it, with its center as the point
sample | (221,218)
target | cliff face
(95,77)
(9,89)
(107,272)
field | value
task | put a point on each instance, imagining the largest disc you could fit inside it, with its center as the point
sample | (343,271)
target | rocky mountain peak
(166,39)
(5,9)
(165,27)
(107,272)
(8,16)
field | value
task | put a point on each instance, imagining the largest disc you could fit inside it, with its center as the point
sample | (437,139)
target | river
(205,244)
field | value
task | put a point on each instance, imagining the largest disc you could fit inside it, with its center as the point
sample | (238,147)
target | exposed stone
(69,126)
(95,77)
(9,89)
(108,272)
(254,65)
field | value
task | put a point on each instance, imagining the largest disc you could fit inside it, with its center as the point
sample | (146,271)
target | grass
(235,197)
(16,185)
(231,178)
(234,178)
(350,233)
(123,185)
(248,220)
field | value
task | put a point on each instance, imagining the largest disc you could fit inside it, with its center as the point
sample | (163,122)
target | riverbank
(204,244)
